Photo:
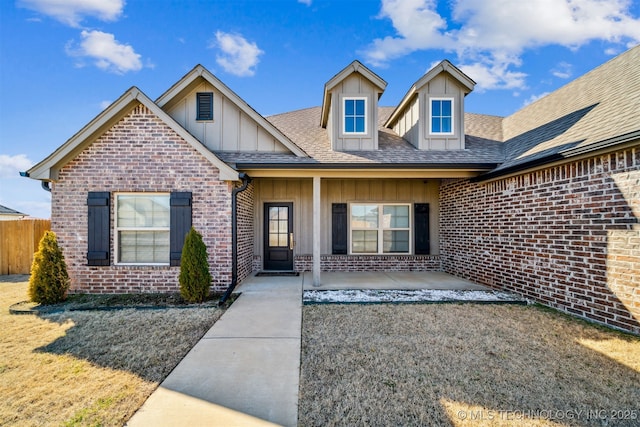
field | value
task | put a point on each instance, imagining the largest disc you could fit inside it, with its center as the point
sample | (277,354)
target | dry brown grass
(87,367)
(463,365)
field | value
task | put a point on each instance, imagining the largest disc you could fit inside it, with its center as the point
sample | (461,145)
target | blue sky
(63,61)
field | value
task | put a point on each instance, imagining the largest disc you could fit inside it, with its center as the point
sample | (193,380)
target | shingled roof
(599,109)
(303,128)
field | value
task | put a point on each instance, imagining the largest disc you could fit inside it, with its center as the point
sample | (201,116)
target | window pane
(349,124)
(143,211)
(283,213)
(435,125)
(446,108)
(364,216)
(395,216)
(349,108)
(143,246)
(360,107)
(435,108)
(359,124)
(446,124)
(396,241)
(364,241)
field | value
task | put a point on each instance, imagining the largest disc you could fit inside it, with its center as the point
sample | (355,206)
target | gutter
(45,184)
(246,179)
(366,166)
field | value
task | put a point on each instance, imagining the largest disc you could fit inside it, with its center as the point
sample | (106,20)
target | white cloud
(107,53)
(563,70)
(494,75)
(72,12)
(534,98)
(11,166)
(104,104)
(238,56)
(489,36)
(306,2)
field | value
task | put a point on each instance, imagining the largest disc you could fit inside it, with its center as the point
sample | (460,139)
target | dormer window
(441,116)
(204,106)
(355,115)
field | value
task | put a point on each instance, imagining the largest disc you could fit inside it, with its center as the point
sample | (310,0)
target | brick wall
(567,236)
(140,154)
(350,263)
(245,232)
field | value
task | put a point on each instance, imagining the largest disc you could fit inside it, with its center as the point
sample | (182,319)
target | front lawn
(88,367)
(462,365)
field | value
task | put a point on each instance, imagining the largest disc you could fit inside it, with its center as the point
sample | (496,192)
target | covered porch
(393,280)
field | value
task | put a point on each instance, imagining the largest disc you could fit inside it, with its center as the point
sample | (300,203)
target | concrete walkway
(244,371)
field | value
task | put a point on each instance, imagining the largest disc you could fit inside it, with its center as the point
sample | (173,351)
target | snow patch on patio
(407,296)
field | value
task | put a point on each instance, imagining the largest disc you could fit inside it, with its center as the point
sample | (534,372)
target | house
(8,214)
(544,203)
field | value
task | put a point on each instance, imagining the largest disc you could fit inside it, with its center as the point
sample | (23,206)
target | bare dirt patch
(464,365)
(88,367)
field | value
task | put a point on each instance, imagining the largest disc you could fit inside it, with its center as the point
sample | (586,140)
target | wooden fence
(18,242)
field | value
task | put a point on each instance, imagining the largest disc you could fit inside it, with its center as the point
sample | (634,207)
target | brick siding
(567,236)
(140,154)
(351,263)
(246,202)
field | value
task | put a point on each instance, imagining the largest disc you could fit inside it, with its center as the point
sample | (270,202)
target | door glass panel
(279,226)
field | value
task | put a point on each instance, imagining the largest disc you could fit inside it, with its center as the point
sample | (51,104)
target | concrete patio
(432,280)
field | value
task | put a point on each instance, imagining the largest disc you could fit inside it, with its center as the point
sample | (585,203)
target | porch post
(316,231)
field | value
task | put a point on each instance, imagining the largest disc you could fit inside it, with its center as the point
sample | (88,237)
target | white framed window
(142,222)
(354,118)
(441,116)
(380,228)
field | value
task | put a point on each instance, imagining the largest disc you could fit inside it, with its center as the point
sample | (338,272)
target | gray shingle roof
(8,211)
(303,128)
(602,104)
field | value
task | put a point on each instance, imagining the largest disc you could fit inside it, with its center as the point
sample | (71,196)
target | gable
(235,127)
(48,169)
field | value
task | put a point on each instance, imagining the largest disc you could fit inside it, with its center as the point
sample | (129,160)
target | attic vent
(204,106)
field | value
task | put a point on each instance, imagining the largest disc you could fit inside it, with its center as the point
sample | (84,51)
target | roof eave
(600,147)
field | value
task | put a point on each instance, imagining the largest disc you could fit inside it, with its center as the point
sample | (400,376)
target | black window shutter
(421,229)
(180,224)
(98,237)
(339,231)
(204,106)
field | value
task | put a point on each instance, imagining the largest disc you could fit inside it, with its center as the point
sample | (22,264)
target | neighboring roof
(48,168)
(354,67)
(599,109)
(8,211)
(393,151)
(194,77)
(442,67)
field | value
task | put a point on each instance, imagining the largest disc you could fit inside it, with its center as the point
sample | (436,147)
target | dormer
(431,114)
(350,108)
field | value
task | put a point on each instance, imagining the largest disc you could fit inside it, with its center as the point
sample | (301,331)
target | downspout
(234,235)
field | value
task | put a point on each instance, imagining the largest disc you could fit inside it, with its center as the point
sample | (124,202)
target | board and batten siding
(300,193)
(413,122)
(359,87)
(230,129)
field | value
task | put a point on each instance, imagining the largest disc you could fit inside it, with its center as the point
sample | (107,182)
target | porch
(377,287)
